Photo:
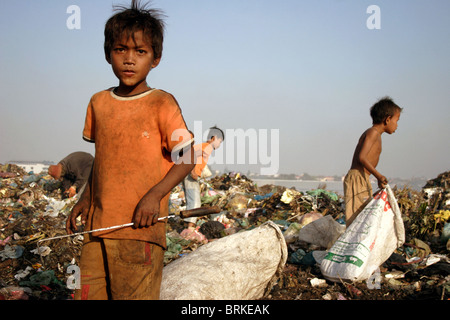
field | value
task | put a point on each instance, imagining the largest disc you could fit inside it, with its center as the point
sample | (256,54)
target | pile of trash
(420,269)
(32,209)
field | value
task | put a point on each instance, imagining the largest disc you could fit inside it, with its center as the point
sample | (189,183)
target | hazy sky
(305,70)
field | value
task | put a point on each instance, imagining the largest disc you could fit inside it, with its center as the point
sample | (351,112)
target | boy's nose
(129,58)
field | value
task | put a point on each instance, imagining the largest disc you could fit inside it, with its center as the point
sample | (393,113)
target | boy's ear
(108,58)
(156,62)
(387,119)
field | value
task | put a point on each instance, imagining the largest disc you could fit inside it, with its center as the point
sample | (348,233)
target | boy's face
(392,123)
(216,143)
(131,61)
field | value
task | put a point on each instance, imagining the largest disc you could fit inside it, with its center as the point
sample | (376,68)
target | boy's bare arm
(369,154)
(80,208)
(147,210)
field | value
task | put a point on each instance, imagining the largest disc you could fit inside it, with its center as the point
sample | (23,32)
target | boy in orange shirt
(190,182)
(133,127)
(357,188)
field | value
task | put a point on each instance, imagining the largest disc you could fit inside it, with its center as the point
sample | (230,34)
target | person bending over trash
(191,181)
(135,166)
(74,171)
(357,188)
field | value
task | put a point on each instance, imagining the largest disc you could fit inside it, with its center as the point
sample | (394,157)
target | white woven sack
(368,242)
(242,266)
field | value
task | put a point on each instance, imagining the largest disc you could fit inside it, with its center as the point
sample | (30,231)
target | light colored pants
(357,194)
(192,195)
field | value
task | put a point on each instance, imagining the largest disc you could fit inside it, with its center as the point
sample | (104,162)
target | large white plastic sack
(368,242)
(242,266)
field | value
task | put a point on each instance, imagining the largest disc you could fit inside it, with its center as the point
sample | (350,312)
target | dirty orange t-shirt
(134,137)
(202,153)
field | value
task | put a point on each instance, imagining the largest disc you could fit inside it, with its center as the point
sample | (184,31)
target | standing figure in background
(191,183)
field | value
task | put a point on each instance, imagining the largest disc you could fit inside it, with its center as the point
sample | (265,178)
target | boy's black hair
(130,20)
(385,107)
(216,132)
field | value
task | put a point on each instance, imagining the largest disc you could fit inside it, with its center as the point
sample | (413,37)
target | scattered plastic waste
(309,217)
(322,232)
(291,233)
(445,236)
(42,251)
(32,209)
(323,193)
(14,293)
(193,234)
(23,273)
(11,252)
(318,283)
(289,195)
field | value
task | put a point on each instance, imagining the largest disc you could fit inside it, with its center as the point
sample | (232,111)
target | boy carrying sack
(357,188)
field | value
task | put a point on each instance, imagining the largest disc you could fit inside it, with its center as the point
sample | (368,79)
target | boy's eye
(140,51)
(119,49)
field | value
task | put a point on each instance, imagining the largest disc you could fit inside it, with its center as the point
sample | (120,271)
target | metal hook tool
(198,212)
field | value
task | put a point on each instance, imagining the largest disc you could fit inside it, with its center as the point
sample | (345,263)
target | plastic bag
(11,252)
(193,234)
(206,172)
(242,266)
(445,235)
(14,293)
(310,217)
(368,242)
(291,233)
(322,232)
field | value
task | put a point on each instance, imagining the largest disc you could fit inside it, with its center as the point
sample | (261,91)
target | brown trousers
(357,194)
(114,269)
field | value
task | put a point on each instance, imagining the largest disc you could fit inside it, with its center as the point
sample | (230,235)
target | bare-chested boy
(357,188)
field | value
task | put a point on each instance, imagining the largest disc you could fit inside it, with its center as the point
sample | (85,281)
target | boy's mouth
(128,72)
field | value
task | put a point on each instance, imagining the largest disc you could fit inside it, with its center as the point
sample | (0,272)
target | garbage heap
(32,209)
(419,269)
